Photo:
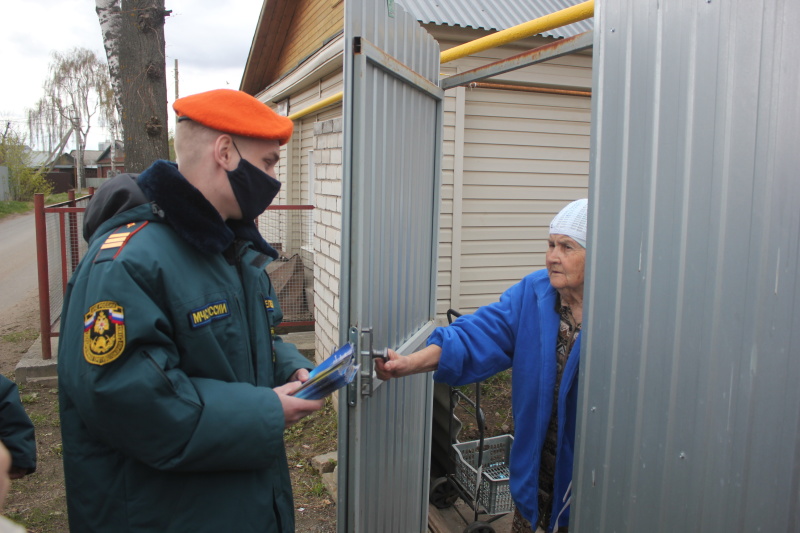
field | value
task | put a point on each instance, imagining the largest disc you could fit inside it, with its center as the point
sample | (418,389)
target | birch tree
(133,36)
(76,92)
(110,16)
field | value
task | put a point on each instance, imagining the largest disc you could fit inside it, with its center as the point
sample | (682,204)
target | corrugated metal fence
(5,192)
(690,415)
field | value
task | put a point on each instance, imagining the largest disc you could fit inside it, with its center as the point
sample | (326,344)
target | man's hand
(301,375)
(294,409)
(5,466)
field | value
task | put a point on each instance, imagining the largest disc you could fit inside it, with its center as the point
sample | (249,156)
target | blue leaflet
(331,375)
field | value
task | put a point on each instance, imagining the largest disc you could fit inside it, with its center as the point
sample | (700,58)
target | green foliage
(318,489)
(27,182)
(62,197)
(57,449)
(23,180)
(33,397)
(13,208)
(20,336)
(38,419)
(171,142)
(36,519)
(325,421)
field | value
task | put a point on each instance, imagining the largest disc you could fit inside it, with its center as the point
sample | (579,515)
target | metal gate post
(44,282)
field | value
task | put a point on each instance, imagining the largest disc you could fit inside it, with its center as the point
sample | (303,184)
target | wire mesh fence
(65,248)
(61,246)
(288,228)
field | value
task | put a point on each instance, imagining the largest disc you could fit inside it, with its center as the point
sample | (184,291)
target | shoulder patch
(117,240)
(103,333)
(202,316)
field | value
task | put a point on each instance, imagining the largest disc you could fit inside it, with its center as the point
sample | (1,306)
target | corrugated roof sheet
(37,158)
(493,14)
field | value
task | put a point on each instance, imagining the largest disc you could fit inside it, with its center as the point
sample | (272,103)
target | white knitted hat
(571,221)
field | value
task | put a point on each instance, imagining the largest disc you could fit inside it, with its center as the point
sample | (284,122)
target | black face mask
(254,189)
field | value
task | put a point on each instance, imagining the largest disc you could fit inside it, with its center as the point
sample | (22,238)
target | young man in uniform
(174,389)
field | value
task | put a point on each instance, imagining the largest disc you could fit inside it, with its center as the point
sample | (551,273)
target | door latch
(367,361)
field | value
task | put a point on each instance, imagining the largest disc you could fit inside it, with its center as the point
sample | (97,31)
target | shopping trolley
(479,473)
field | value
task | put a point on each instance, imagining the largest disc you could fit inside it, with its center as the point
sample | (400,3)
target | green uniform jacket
(166,363)
(16,429)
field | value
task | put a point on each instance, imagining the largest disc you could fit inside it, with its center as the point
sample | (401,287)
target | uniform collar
(193,217)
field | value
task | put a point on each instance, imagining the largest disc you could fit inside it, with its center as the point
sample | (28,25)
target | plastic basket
(495,495)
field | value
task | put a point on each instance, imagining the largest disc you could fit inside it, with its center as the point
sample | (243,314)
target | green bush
(23,180)
(23,183)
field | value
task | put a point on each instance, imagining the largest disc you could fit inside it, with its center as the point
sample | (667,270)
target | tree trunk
(80,166)
(142,71)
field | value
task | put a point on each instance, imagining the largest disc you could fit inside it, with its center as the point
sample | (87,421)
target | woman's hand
(397,366)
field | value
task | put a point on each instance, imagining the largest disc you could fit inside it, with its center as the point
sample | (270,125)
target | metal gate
(391,180)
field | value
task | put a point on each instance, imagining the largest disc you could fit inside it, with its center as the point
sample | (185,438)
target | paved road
(18,277)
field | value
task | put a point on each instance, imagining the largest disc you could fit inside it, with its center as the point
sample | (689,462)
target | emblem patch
(103,333)
(208,313)
(269,305)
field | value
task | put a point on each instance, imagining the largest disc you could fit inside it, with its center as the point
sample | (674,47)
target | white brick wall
(327,233)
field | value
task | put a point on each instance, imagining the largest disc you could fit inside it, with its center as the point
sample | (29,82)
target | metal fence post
(73,236)
(44,281)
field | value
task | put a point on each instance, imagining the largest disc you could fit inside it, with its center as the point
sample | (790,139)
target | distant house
(98,163)
(62,170)
(111,162)
(98,166)
(89,162)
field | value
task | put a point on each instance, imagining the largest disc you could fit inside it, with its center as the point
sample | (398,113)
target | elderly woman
(534,329)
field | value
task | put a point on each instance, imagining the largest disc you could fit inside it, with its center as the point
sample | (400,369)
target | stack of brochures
(331,375)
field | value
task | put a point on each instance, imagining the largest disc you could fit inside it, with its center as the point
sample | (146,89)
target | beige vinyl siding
(319,90)
(519,158)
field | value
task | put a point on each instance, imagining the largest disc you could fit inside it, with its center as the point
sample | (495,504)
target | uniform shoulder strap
(117,240)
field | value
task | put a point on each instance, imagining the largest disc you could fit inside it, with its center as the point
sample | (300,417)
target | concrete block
(32,368)
(330,481)
(326,462)
(303,340)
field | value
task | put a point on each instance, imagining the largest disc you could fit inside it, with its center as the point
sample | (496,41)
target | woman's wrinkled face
(565,260)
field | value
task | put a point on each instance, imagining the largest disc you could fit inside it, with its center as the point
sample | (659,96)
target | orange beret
(234,112)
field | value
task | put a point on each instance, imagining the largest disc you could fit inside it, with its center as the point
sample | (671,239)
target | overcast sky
(209,38)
